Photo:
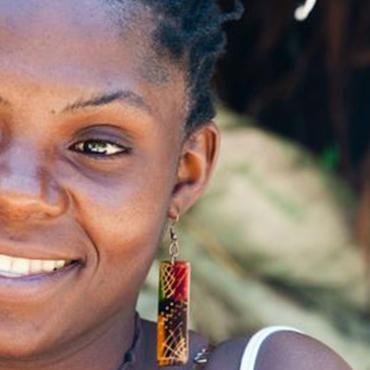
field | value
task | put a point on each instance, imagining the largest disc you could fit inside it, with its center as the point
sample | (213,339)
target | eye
(99,148)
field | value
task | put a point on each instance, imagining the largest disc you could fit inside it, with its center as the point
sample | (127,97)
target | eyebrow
(126,96)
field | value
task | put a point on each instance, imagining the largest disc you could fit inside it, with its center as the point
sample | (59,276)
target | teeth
(20,266)
(13,267)
(36,266)
(60,263)
(48,265)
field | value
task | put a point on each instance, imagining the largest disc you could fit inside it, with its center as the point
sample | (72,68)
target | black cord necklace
(129,356)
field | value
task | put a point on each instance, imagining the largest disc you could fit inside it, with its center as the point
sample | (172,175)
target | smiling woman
(106,135)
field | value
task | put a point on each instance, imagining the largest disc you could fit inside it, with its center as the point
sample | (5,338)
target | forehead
(87,44)
(84,33)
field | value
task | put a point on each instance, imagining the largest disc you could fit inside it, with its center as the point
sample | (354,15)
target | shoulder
(227,354)
(287,350)
(284,350)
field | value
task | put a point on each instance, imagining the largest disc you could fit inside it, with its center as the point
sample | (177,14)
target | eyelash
(83,145)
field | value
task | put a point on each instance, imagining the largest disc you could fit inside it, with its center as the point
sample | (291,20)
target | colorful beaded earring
(173,307)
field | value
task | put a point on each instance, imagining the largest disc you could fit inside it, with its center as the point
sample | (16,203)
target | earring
(173,307)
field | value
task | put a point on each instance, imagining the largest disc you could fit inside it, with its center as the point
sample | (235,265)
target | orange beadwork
(173,313)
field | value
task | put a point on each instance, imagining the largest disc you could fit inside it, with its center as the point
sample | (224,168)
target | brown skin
(59,202)
(287,351)
(56,201)
(281,351)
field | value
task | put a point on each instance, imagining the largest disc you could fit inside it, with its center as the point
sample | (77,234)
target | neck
(101,350)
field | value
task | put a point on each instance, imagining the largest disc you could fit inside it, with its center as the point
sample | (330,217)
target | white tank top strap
(250,354)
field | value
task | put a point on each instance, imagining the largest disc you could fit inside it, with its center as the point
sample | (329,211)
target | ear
(196,164)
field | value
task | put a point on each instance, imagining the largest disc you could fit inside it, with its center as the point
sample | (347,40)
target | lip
(38,253)
(31,287)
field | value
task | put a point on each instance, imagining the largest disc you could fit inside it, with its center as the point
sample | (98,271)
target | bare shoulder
(281,351)
(287,350)
(227,354)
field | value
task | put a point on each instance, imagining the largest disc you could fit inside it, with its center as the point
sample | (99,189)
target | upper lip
(38,252)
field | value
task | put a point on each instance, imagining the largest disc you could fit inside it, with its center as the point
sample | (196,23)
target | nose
(28,192)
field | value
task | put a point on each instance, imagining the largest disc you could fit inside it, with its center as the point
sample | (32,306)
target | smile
(13,267)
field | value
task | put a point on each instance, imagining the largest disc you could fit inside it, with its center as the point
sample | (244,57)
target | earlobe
(196,165)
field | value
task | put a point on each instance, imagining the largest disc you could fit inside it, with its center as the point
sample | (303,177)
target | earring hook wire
(174,248)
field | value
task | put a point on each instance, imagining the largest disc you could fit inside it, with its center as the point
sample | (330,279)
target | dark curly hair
(191,31)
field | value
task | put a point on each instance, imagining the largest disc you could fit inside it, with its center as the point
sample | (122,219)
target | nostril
(55,199)
(24,209)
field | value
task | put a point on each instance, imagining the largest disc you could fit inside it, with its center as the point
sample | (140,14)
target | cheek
(124,214)
(128,222)
(123,218)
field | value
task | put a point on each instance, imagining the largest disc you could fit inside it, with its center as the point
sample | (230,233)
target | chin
(23,342)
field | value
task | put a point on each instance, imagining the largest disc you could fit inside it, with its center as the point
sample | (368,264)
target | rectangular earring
(173,308)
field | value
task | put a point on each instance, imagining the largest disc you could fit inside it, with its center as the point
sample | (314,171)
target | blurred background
(282,235)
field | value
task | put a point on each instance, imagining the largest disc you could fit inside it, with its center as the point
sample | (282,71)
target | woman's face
(90,154)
